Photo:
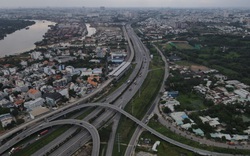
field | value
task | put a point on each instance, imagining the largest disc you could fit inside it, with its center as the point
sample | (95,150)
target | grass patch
(29,150)
(190,101)
(104,133)
(246,118)
(163,130)
(164,148)
(184,63)
(103,149)
(225,70)
(181,45)
(168,47)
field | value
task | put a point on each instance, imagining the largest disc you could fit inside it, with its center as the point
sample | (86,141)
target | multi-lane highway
(39,119)
(126,93)
(119,98)
(138,81)
(143,125)
(122,95)
(91,129)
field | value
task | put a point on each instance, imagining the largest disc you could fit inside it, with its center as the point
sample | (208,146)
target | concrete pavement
(92,130)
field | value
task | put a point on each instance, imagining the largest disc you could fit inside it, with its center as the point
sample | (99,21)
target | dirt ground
(197,68)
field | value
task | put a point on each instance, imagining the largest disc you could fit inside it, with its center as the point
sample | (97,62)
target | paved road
(92,130)
(124,100)
(37,120)
(140,54)
(154,132)
(53,144)
(176,143)
(121,96)
(118,109)
(138,130)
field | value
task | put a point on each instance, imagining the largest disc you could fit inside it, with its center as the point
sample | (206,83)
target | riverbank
(23,40)
(9,26)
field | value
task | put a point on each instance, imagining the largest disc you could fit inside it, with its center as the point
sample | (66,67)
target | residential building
(52,98)
(30,105)
(5,119)
(34,94)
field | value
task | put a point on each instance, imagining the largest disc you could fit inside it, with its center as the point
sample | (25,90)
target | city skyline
(127,3)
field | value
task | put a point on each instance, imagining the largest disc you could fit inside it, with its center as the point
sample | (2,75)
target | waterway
(91,30)
(23,40)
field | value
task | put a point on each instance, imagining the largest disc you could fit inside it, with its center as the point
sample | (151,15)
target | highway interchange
(119,99)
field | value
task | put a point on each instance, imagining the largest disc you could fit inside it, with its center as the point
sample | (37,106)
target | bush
(167,110)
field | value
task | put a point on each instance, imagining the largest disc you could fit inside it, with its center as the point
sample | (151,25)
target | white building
(242,93)
(5,119)
(35,55)
(97,71)
(70,69)
(179,117)
(211,121)
(30,105)
(38,111)
(86,72)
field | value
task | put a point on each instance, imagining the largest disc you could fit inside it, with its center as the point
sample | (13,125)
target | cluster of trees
(228,54)
(230,115)
(179,83)
(8,26)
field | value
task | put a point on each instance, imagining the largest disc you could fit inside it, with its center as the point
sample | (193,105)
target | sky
(124,3)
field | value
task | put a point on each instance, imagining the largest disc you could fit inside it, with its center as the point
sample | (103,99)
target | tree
(72,93)
(14,112)
(155,117)
(208,102)
(74,78)
(85,78)
(94,80)
(19,121)
(167,110)
(186,120)
(16,93)
(4,110)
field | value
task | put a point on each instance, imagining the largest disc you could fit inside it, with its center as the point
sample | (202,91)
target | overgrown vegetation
(163,130)
(228,54)
(8,26)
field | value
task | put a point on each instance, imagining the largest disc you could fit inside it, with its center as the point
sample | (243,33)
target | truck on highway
(231,143)
(15,149)
(43,133)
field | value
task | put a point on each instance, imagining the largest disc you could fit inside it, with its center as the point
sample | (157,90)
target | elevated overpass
(91,129)
(154,132)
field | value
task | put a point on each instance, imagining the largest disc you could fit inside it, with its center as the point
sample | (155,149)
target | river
(91,30)
(24,39)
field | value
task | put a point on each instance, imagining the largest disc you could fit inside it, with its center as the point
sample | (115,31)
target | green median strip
(139,105)
(29,150)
